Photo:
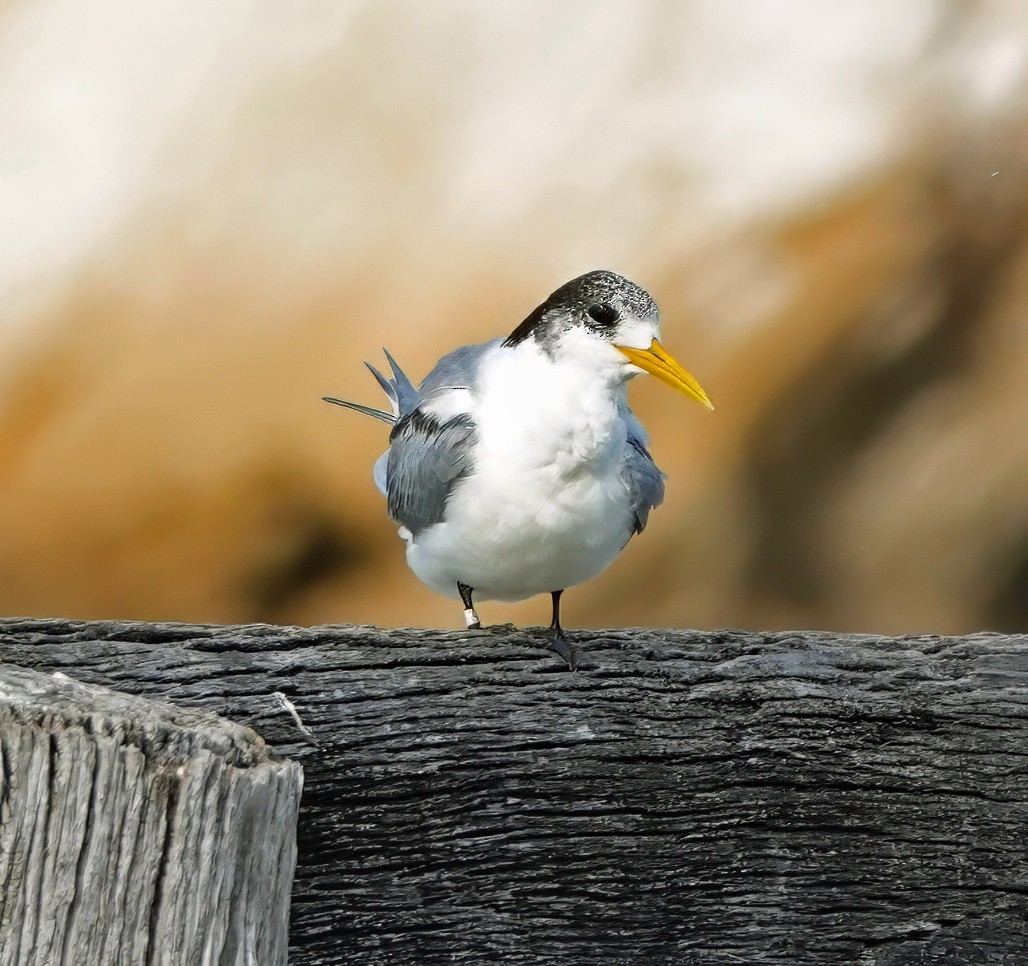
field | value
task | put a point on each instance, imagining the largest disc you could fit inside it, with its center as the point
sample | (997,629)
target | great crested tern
(516,468)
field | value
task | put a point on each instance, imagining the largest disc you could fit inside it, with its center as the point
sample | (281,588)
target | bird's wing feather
(458,369)
(380,473)
(426,458)
(427,454)
(643,480)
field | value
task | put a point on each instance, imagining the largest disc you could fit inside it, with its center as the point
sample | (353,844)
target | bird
(516,468)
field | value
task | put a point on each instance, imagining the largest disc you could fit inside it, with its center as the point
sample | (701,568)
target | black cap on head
(598,300)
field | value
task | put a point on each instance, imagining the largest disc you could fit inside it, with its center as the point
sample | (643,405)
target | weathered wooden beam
(684,797)
(135,832)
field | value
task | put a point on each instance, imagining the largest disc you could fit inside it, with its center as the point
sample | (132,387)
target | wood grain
(135,832)
(684,797)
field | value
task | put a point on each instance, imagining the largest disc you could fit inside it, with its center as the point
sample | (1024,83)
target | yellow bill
(656,361)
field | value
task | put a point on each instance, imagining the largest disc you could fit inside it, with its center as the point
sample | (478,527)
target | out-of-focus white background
(212,213)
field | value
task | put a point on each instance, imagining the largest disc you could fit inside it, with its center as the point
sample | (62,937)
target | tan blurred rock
(241,222)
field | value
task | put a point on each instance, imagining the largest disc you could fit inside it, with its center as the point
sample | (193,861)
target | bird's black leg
(558,631)
(470,617)
(558,639)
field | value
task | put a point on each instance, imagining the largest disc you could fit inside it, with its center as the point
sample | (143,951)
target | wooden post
(684,797)
(138,833)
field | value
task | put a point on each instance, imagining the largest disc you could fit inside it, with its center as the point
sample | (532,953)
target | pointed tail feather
(357,407)
(387,387)
(407,397)
(403,397)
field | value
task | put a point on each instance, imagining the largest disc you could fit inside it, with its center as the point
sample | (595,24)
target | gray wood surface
(135,832)
(684,797)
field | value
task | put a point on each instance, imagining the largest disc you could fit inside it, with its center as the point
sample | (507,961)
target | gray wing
(457,369)
(643,480)
(427,456)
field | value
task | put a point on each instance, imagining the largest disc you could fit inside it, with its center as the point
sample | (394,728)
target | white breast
(545,507)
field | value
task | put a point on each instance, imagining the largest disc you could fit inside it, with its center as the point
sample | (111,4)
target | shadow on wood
(135,832)
(684,797)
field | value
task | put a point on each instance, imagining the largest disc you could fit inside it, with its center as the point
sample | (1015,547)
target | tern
(516,468)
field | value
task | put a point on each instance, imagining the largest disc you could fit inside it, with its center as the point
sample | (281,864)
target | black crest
(596,300)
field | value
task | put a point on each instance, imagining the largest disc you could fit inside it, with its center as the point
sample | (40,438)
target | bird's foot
(559,643)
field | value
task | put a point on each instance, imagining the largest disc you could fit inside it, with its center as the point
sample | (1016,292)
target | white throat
(564,412)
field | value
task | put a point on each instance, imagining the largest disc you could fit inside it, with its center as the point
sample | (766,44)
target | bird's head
(603,320)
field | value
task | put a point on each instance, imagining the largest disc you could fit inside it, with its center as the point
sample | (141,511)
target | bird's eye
(602,313)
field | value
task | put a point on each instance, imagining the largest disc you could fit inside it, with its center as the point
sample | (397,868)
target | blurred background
(212,213)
